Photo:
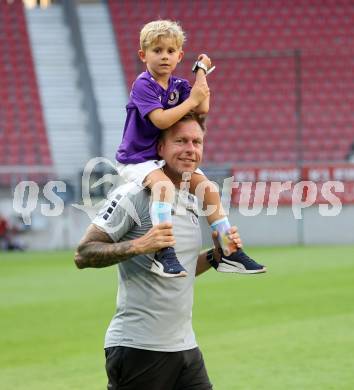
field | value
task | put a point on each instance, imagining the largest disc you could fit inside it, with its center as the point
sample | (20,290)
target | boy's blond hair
(157,29)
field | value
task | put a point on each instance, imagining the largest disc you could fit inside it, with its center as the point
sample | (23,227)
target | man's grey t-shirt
(153,312)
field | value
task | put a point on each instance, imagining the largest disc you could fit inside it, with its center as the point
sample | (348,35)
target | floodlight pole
(299,131)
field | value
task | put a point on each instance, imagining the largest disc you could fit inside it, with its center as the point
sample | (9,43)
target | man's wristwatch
(211,260)
(200,65)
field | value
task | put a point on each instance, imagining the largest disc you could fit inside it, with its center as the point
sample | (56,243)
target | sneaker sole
(228,268)
(160,272)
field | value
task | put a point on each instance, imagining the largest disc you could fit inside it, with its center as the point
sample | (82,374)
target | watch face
(199,65)
(203,66)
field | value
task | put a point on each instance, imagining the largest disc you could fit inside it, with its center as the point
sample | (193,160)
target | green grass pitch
(292,328)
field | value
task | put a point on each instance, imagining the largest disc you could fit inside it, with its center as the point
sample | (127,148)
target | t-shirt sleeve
(145,97)
(185,90)
(116,217)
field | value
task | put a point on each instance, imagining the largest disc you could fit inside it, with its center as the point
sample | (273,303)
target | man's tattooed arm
(97,250)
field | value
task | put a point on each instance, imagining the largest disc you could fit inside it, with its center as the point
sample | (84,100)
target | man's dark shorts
(138,369)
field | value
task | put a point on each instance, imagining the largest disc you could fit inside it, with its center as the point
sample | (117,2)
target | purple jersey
(140,135)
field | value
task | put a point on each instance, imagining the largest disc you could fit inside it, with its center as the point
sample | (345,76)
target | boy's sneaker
(239,262)
(166,264)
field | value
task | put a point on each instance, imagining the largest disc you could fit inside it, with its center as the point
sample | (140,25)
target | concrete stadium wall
(284,229)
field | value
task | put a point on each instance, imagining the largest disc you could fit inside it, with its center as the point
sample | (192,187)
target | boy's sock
(222,226)
(160,212)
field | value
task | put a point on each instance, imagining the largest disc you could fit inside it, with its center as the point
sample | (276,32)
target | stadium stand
(23,138)
(257,112)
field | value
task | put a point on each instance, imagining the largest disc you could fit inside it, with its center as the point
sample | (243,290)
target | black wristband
(211,260)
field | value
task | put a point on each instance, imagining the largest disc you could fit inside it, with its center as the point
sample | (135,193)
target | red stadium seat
(252,116)
(20,108)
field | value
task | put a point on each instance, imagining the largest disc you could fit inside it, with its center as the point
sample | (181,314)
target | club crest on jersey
(173,98)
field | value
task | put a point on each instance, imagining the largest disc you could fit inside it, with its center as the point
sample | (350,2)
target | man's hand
(158,237)
(203,264)
(234,237)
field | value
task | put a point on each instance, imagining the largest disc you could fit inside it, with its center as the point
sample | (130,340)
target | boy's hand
(199,92)
(205,60)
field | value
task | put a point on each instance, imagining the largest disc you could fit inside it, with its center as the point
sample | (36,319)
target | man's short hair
(157,29)
(190,116)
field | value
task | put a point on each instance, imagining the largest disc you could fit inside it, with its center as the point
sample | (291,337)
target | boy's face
(161,57)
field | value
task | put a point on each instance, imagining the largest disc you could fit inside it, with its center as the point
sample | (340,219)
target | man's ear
(180,56)
(160,147)
(142,56)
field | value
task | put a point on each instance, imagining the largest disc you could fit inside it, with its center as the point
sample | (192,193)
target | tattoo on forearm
(97,250)
(97,254)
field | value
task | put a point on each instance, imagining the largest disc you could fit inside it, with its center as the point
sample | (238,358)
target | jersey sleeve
(144,96)
(185,90)
(116,217)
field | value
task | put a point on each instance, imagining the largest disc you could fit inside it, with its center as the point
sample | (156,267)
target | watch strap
(200,65)
(210,259)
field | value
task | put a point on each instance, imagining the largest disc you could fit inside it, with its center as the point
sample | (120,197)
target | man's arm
(96,249)
(202,264)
